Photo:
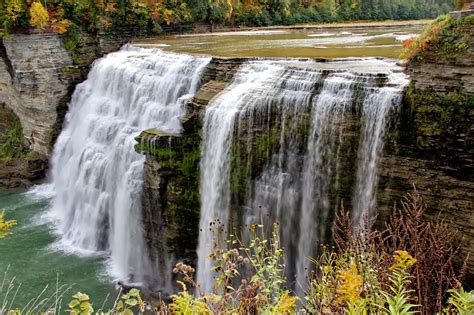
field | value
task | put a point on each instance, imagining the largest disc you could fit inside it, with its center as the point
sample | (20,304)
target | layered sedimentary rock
(36,85)
(433,146)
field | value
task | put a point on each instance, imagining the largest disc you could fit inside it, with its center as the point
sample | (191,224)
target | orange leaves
(60,26)
(408,42)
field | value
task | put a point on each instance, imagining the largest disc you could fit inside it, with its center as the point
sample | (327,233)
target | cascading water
(328,112)
(375,112)
(219,120)
(96,174)
(308,118)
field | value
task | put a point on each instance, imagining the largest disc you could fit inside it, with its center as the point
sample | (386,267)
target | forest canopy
(91,15)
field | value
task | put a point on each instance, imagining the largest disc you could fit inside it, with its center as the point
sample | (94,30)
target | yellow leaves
(39,16)
(403,260)
(350,284)
(13,8)
(186,304)
(111,7)
(286,304)
(5,226)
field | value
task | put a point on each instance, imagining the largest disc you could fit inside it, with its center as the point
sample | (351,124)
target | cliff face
(35,78)
(434,144)
(171,201)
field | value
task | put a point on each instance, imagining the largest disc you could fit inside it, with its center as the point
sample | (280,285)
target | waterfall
(328,112)
(312,122)
(375,112)
(253,82)
(97,176)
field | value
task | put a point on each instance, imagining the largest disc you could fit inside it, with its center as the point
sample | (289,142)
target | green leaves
(461,300)
(80,304)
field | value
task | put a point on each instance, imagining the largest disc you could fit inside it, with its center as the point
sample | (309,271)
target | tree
(219,11)
(199,9)
(459,4)
(39,16)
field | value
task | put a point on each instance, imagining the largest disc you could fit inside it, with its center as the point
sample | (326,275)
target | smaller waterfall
(96,174)
(375,112)
(313,120)
(255,86)
(328,113)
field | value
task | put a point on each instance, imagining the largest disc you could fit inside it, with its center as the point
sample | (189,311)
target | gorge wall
(433,146)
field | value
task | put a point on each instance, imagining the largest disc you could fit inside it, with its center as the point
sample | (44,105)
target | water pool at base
(26,255)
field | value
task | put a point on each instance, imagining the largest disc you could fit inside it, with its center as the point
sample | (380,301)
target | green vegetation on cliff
(12,143)
(444,40)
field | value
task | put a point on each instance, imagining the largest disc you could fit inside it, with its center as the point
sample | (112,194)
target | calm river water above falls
(310,43)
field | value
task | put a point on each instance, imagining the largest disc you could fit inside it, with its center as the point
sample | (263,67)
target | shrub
(5,225)
(445,38)
(39,16)
(12,143)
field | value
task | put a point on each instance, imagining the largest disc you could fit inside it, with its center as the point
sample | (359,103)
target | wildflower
(403,260)
(350,284)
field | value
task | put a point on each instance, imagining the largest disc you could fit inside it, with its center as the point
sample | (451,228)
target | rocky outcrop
(442,77)
(36,85)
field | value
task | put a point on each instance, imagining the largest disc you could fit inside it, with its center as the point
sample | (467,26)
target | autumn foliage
(39,16)
(92,15)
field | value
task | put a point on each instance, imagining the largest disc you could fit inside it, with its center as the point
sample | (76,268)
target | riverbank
(312,26)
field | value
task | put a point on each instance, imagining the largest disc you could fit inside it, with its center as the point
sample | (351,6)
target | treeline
(58,15)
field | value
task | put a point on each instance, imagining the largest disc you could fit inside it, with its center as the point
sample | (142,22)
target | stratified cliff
(433,144)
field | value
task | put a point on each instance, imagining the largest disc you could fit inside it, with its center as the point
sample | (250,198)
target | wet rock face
(170,195)
(432,147)
(170,202)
